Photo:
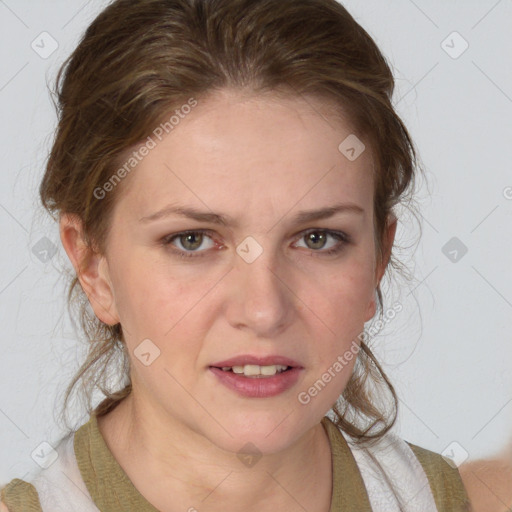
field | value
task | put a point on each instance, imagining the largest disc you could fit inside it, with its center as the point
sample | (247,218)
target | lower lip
(258,387)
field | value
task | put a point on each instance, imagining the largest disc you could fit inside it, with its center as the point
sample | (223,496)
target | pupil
(192,236)
(315,237)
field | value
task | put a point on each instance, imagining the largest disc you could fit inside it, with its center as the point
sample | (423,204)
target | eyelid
(342,237)
(168,239)
(332,232)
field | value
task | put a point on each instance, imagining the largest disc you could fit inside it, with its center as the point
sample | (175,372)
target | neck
(164,458)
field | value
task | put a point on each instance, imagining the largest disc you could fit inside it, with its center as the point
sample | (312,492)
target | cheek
(327,382)
(143,294)
(344,293)
(159,302)
(336,313)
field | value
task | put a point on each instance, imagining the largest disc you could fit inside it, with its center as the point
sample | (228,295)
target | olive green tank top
(107,488)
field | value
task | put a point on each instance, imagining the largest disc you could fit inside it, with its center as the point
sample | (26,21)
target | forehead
(248,150)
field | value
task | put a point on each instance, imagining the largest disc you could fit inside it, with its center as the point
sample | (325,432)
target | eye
(316,238)
(190,241)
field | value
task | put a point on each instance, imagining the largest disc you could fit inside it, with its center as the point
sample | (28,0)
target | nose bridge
(262,301)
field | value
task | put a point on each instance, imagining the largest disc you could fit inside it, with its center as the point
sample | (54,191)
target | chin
(263,432)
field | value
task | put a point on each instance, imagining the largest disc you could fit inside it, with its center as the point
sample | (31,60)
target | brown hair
(142,58)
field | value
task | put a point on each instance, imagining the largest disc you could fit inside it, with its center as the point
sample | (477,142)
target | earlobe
(389,238)
(372,308)
(91,269)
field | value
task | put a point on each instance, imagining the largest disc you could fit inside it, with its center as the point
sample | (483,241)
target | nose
(259,297)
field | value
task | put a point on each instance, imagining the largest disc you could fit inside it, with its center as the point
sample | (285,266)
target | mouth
(257,377)
(255,371)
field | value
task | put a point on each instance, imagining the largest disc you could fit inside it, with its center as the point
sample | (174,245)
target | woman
(225,174)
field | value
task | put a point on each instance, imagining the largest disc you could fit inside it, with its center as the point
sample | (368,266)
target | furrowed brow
(225,220)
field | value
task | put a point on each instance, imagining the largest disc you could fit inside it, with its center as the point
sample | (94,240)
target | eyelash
(343,238)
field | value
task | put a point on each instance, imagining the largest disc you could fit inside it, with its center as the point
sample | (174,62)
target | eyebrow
(226,220)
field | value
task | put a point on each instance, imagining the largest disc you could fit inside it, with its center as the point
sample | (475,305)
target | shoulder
(19,496)
(57,485)
(488,483)
(392,466)
(444,479)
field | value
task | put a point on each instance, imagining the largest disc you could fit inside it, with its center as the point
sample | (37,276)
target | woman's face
(259,284)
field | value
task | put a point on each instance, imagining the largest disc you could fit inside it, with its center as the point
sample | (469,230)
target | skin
(488,482)
(283,148)
(259,159)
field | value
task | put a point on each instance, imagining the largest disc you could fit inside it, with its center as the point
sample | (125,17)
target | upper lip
(257,360)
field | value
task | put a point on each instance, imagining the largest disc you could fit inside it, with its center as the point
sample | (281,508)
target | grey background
(448,352)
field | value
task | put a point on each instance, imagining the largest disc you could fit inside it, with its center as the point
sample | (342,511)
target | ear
(91,269)
(389,238)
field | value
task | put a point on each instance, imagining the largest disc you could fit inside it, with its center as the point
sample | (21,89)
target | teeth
(253,370)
